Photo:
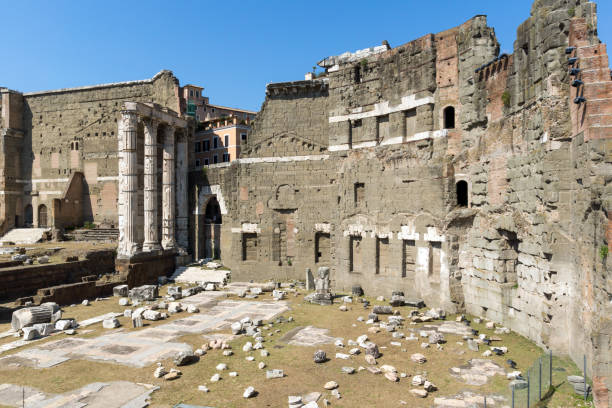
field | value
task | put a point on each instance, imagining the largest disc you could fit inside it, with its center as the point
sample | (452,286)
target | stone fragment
(330,385)
(192,309)
(236,328)
(419,393)
(372,350)
(343,356)
(391,376)
(429,386)
(64,324)
(435,338)
(185,358)
(397,300)
(227,353)
(275,373)
(382,310)
(121,291)
(160,371)
(172,375)
(472,345)
(320,356)
(215,378)
(152,315)
(111,323)
(233,374)
(30,333)
(374,370)
(249,392)
(143,293)
(175,292)
(43,259)
(45,313)
(348,370)
(261,365)
(124,301)
(221,367)
(44,329)
(203,388)
(370,359)
(175,307)
(418,358)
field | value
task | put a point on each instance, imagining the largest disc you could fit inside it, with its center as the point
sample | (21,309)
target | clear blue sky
(232,49)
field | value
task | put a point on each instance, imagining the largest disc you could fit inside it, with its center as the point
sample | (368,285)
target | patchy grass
(302,374)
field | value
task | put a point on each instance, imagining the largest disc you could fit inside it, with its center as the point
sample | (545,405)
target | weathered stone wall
(359,170)
(26,280)
(75,130)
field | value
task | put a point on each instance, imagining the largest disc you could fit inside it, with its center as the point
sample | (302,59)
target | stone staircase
(24,236)
(195,274)
(95,234)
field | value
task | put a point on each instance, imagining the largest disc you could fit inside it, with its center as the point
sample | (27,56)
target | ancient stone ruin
(437,171)
(475,181)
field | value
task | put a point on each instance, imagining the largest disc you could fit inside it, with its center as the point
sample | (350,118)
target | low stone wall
(26,280)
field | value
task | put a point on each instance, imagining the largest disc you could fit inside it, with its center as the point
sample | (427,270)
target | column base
(151,247)
(168,245)
(128,251)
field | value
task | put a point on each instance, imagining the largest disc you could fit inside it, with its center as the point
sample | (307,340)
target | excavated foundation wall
(473,180)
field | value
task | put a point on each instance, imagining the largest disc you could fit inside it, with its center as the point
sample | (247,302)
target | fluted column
(151,234)
(182,208)
(168,198)
(128,184)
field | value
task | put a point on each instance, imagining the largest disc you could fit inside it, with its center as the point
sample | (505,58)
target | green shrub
(571,12)
(506,98)
(603,252)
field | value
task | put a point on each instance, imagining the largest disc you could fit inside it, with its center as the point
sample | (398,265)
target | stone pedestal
(322,293)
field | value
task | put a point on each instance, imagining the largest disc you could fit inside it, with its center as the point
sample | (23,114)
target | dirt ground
(302,375)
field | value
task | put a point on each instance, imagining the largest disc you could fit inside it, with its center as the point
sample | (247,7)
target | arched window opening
(42,216)
(449,117)
(462,193)
(213,212)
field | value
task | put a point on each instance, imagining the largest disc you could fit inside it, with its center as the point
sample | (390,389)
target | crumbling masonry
(476,181)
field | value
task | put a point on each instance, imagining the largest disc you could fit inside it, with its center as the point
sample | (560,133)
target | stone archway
(212,229)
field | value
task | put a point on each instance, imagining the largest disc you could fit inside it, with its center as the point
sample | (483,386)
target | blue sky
(231,49)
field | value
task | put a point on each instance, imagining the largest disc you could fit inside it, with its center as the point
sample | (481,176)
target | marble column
(128,184)
(182,208)
(168,197)
(151,231)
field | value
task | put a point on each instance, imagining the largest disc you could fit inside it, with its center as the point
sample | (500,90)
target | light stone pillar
(128,185)
(168,198)
(151,234)
(182,207)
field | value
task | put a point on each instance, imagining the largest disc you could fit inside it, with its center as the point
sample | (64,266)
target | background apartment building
(220,130)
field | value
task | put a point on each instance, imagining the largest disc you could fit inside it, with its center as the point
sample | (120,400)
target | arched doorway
(212,229)
(28,216)
(462,193)
(42,216)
